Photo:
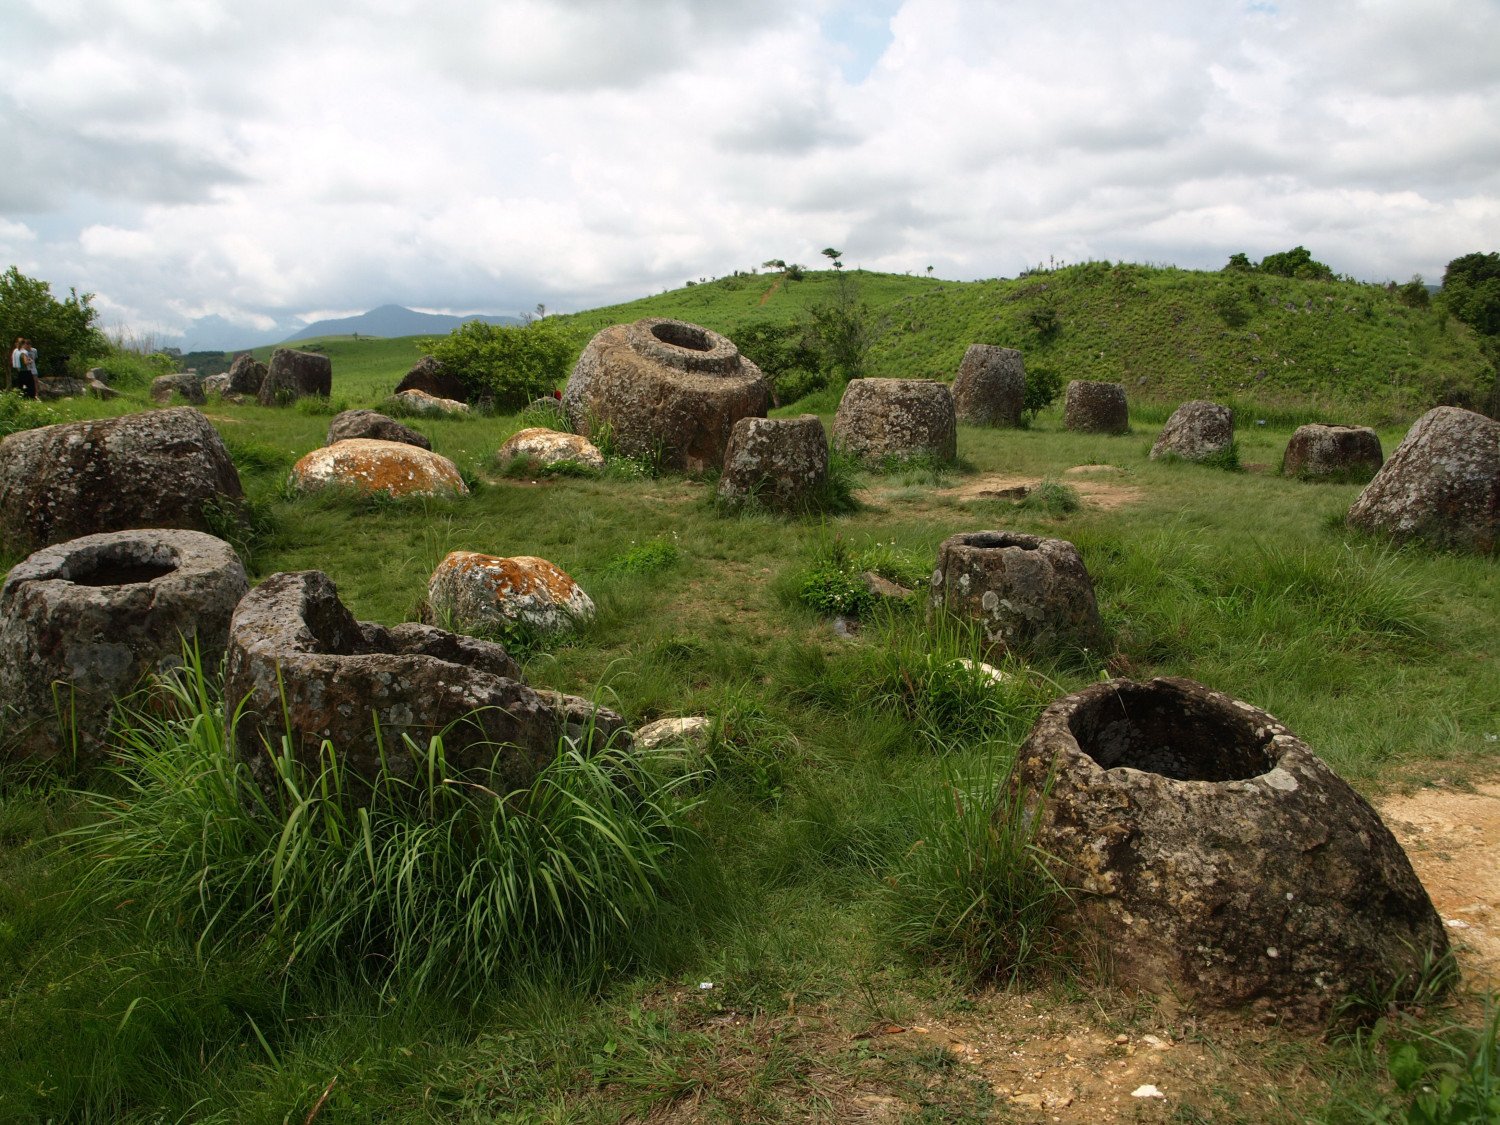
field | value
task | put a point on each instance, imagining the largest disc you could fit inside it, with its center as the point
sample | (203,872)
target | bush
(62,332)
(785,352)
(1043,386)
(1296,262)
(509,365)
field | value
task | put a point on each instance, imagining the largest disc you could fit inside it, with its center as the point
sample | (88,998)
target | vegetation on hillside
(63,332)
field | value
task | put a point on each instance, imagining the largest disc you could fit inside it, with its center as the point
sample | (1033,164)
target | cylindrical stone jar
(1095,408)
(990,387)
(779,463)
(1337,453)
(896,420)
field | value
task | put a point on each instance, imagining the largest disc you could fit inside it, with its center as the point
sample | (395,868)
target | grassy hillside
(1167,334)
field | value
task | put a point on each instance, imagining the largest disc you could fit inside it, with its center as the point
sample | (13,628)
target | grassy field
(820,941)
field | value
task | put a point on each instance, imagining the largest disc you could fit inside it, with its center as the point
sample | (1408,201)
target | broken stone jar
(1211,853)
(1030,595)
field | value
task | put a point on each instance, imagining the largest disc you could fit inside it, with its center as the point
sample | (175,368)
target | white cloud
(185,158)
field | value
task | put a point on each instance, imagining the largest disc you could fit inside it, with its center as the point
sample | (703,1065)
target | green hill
(1167,334)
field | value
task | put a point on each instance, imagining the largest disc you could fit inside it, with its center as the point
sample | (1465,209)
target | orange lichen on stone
(368,465)
(521,575)
(478,590)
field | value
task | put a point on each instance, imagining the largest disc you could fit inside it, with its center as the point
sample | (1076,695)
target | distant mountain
(215,334)
(392,320)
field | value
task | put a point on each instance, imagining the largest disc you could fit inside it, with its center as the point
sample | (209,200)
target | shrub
(63,331)
(1043,386)
(787,355)
(508,365)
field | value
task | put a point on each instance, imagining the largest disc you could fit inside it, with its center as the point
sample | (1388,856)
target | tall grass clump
(973,892)
(435,884)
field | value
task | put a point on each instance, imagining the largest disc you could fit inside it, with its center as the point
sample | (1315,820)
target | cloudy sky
(276,160)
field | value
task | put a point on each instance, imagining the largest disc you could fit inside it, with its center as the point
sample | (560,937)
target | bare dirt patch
(1104,494)
(1453,840)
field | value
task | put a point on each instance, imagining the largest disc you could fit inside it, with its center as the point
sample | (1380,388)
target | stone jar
(429,375)
(1342,453)
(1197,431)
(488,593)
(370,466)
(666,390)
(293,375)
(184,384)
(374,426)
(990,387)
(82,623)
(156,468)
(1209,851)
(1030,595)
(1441,486)
(779,463)
(896,420)
(246,374)
(1095,408)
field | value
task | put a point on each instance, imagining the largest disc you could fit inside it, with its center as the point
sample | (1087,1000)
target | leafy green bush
(1043,385)
(786,353)
(508,365)
(62,332)
(1296,262)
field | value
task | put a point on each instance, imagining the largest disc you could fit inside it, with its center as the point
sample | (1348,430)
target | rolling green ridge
(1167,334)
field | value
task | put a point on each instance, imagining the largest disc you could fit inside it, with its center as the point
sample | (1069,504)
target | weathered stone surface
(430,376)
(98,388)
(64,387)
(690,731)
(549,447)
(664,389)
(157,468)
(216,385)
(1442,485)
(990,387)
(420,402)
(484,592)
(780,463)
(1197,431)
(373,425)
(1096,408)
(1338,452)
(367,465)
(246,374)
(181,383)
(293,375)
(898,419)
(300,664)
(83,622)
(1212,853)
(1029,594)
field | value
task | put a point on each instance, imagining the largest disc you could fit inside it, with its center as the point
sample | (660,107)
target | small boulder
(373,425)
(430,376)
(392,467)
(779,463)
(1339,453)
(420,402)
(155,468)
(896,419)
(246,374)
(217,385)
(990,387)
(690,731)
(549,447)
(82,623)
(1441,486)
(98,388)
(63,387)
(484,592)
(181,384)
(1095,408)
(1197,431)
(665,389)
(293,375)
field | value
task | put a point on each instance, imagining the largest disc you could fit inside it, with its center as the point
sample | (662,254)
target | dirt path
(1092,490)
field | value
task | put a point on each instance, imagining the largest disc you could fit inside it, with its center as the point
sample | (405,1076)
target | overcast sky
(263,160)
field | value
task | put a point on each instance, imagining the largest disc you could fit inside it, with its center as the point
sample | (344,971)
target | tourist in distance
(23,368)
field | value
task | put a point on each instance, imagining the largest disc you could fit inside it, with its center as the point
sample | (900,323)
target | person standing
(23,368)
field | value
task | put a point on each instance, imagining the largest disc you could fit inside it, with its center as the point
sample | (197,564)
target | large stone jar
(1210,852)
(1441,486)
(666,390)
(301,668)
(990,387)
(82,623)
(1318,452)
(293,375)
(157,468)
(881,420)
(1197,431)
(1029,594)
(1095,408)
(778,463)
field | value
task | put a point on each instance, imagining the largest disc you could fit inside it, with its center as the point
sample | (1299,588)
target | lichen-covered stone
(429,375)
(1029,594)
(1095,408)
(82,623)
(1213,854)
(1441,486)
(1318,452)
(896,419)
(246,374)
(392,467)
(484,592)
(990,387)
(1197,431)
(156,468)
(301,666)
(184,385)
(780,463)
(664,389)
(550,447)
(688,732)
(420,402)
(374,426)
(293,375)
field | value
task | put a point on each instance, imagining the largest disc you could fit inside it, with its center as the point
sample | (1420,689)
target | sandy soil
(1092,491)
